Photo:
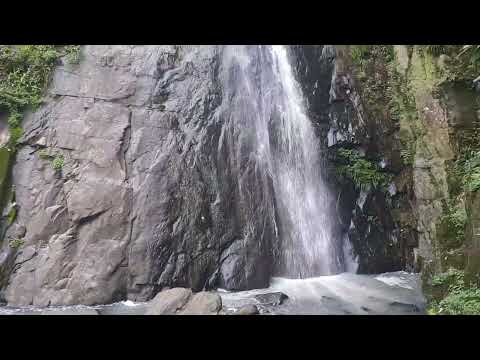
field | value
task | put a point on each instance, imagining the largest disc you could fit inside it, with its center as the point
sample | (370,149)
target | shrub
(460,299)
(14,119)
(462,302)
(453,279)
(468,168)
(15,134)
(359,52)
(361,171)
(455,220)
(58,163)
(72,54)
(25,71)
(24,74)
(15,243)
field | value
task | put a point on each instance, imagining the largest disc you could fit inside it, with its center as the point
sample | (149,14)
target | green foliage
(14,119)
(407,156)
(463,63)
(58,163)
(460,298)
(24,74)
(372,64)
(15,134)
(15,243)
(359,53)
(72,54)
(362,172)
(455,220)
(453,279)
(472,52)
(464,302)
(467,169)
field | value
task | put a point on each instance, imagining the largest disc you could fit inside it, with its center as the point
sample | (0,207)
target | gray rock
(404,308)
(19,231)
(153,160)
(162,184)
(275,298)
(247,310)
(202,303)
(168,302)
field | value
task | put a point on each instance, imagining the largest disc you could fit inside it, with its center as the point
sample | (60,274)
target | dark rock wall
(159,187)
(376,221)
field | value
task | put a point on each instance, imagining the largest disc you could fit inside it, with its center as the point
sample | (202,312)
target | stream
(397,293)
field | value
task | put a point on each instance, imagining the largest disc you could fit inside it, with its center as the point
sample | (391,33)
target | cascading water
(261,78)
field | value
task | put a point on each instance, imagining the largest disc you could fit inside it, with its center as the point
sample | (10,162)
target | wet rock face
(276,298)
(369,219)
(152,189)
(160,185)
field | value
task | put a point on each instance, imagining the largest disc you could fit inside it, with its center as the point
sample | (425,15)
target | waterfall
(263,94)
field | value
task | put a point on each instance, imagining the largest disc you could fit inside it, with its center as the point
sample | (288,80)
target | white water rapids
(343,294)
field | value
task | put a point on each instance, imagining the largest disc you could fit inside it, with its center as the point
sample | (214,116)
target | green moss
(424,75)
(43,154)
(12,214)
(398,85)
(5,162)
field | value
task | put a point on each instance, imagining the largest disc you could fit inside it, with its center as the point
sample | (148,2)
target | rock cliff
(135,174)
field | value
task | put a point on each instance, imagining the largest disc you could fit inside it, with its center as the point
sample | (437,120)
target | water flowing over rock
(191,166)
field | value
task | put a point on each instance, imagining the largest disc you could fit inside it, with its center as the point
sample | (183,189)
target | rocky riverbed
(397,293)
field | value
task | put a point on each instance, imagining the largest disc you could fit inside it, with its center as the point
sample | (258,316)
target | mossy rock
(6,157)
(472,268)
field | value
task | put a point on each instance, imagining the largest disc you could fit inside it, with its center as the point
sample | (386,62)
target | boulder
(275,298)
(247,310)
(404,308)
(168,302)
(203,303)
